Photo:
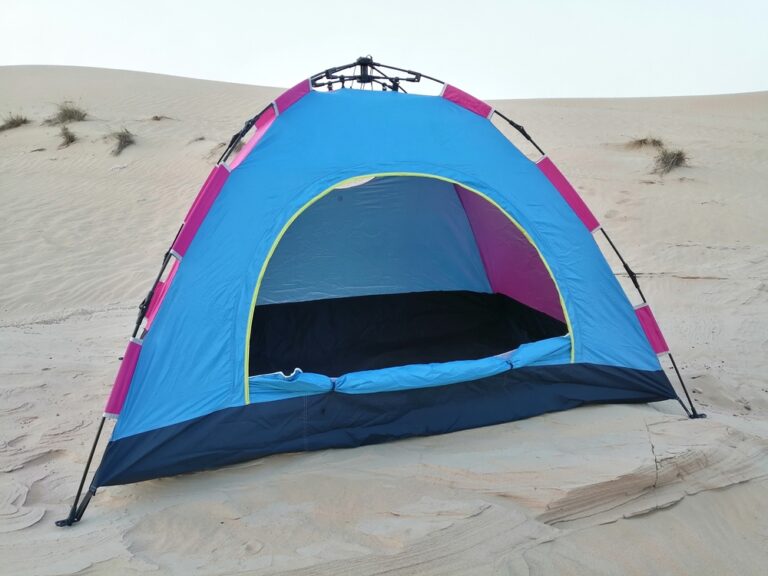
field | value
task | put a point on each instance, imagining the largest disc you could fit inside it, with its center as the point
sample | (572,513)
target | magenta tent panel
(200,208)
(196,201)
(123,379)
(512,264)
(291,96)
(467,101)
(159,294)
(568,193)
(261,127)
(651,328)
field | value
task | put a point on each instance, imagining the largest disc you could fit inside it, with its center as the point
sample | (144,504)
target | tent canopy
(372,265)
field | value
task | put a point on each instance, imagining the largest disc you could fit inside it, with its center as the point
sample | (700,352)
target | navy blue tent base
(336,420)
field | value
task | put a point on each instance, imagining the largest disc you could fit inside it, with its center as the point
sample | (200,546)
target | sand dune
(599,490)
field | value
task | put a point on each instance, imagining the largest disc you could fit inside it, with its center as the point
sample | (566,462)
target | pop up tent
(371,265)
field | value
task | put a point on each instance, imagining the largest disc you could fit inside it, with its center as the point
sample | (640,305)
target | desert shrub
(123,139)
(668,160)
(67,137)
(645,143)
(66,112)
(13,121)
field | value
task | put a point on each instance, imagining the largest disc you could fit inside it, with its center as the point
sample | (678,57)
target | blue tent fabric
(375,239)
(542,353)
(420,375)
(193,366)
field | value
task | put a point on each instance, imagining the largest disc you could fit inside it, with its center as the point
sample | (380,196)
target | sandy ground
(598,490)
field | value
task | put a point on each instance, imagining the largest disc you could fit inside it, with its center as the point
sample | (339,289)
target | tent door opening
(399,270)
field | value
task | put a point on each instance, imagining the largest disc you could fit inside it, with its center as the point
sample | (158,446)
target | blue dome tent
(371,265)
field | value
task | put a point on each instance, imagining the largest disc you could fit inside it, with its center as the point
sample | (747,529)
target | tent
(371,265)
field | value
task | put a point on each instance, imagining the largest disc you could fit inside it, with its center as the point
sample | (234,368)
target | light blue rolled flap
(419,375)
(278,386)
(542,353)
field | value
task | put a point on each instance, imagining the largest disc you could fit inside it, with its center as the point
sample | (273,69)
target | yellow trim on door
(380,175)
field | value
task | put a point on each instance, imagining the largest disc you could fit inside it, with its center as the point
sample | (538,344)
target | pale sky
(491,48)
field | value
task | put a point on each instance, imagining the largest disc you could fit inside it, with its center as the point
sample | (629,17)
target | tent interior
(398,270)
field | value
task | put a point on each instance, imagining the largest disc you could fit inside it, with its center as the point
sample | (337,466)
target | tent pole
(692,413)
(76,512)
(520,129)
(630,273)
(144,305)
(250,123)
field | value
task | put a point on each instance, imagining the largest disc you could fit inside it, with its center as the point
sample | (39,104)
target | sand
(598,490)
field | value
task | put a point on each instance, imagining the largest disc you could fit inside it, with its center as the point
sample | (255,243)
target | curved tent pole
(520,129)
(692,413)
(78,507)
(335,76)
(238,136)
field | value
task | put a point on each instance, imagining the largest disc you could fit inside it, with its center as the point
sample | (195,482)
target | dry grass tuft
(668,160)
(67,112)
(13,121)
(123,139)
(645,143)
(67,137)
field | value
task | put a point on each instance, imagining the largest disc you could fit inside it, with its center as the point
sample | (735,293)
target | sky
(491,48)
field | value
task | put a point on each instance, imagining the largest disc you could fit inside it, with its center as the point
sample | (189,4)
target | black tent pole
(630,273)
(520,129)
(76,512)
(692,413)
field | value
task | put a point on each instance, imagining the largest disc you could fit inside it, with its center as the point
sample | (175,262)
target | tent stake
(76,512)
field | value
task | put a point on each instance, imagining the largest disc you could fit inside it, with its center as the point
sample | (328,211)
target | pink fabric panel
(123,379)
(651,328)
(511,262)
(262,125)
(467,101)
(200,208)
(159,294)
(568,192)
(200,194)
(290,97)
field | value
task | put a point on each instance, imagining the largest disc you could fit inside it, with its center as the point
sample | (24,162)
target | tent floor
(340,335)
